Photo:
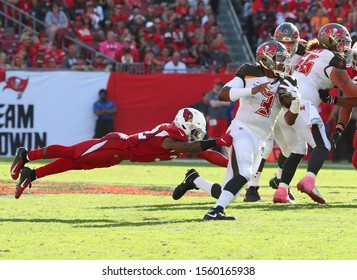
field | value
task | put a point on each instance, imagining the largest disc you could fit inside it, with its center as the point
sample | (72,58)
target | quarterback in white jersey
(256,88)
(322,67)
(287,34)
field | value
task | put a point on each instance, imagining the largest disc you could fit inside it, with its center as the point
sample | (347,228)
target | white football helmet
(192,122)
(354,56)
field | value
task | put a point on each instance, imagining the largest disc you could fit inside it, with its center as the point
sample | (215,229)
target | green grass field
(155,227)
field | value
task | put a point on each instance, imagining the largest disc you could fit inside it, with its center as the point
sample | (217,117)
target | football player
(164,142)
(322,67)
(287,34)
(346,101)
(256,88)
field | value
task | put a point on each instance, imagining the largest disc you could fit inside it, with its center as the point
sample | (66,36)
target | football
(285,100)
(284,97)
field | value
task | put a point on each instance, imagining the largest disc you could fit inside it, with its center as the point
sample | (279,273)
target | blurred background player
(322,67)
(164,142)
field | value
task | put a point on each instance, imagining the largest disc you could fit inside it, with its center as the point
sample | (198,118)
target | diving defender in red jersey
(164,142)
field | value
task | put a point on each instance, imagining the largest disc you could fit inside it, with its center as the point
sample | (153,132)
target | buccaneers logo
(268,50)
(16,84)
(187,115)
(334,32)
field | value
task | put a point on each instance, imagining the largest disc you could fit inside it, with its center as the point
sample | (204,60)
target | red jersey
(146,146)
(351,72)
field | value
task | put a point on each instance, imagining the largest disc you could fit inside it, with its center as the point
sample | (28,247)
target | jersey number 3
(266,104)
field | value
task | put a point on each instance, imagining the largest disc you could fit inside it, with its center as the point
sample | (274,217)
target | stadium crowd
(127,31)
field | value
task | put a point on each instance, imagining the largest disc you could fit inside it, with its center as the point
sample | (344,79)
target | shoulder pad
(301,49)
(338,61)
(249,70)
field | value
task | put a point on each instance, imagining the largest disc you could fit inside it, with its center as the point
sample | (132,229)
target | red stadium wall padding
(147,100)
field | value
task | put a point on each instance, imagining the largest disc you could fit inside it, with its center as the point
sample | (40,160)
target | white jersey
(256,113)
(313,73)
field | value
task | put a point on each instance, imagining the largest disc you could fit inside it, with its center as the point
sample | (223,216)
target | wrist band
(236,93)
(340,126)
(207,144)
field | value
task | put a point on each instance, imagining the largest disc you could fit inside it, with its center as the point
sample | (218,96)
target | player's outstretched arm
(196,147)
(214,157)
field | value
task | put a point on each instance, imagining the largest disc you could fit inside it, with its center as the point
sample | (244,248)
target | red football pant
(95,153)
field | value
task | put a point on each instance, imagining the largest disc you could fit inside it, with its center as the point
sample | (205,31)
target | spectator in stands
(222,45)
(120,28)
(95,19)
(104,109)
(109,47)
(352,17)
(118,14)
(150,13)
(302,23)
(164,56)
(152,65)
(318,20)
(218,57)
(202,106)
(125,50)
(135,11)
(56,53)
(55,19)
(71,58)
(83,29)
(81,65)
(28,31)
(99,63)
(98,9)
(3,61)
(202,55)
(43,44)
(137,25)
(26,59)
(27,43)
(175,65)
(50,63)
(18,62)
(39,62)
(39,10)
(168,43)
(107,25)
(284,15)
(78,9)
(178,34)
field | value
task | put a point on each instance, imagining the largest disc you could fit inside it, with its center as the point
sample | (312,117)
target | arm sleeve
(214,157)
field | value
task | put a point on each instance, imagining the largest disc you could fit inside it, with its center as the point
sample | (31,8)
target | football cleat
(274,182)
(252,195)
(217,214)
(290,194)
(18,163)
(186,185)
(307,185)
(281,196)
(24,182)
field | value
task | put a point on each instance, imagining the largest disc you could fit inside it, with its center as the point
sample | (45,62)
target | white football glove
(354,80)
(292,91)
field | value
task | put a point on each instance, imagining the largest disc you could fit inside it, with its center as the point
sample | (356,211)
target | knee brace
(235,184)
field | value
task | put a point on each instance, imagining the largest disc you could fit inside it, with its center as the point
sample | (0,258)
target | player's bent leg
(186,185)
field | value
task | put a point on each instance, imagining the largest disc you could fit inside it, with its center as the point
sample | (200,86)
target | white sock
(278,174)
(311,175)
(203,184)
(283,185)
(224,199)
(255,179)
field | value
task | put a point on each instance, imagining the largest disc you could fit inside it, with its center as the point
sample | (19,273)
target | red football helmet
(272,55)
(287,34)
(335,37)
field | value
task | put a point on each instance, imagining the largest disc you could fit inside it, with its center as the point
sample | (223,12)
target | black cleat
(186,185)
(274,182)
(25,181)
(290,194)
(217,214)
(252,195)
(18,162)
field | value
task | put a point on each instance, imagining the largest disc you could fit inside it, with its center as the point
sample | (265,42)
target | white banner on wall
(43,108)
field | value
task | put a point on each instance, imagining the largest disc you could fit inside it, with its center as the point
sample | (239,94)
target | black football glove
(335,138)
(326,97)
